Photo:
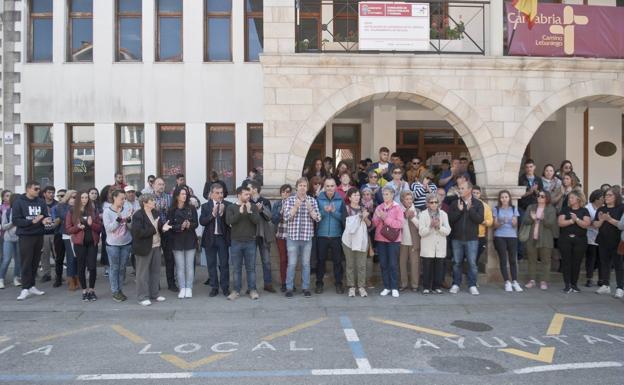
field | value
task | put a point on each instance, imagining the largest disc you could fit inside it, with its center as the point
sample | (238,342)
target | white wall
(607,124)
(548,143)
(574,138)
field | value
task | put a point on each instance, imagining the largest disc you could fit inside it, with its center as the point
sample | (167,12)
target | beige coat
(432,241)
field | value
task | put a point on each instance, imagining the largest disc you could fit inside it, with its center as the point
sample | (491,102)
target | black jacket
(24,210)
(465,223)
(524,202)
(207,185)
(208,221)
(142,232)
(183,239)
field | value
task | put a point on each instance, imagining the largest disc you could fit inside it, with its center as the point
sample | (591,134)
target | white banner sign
(393,26)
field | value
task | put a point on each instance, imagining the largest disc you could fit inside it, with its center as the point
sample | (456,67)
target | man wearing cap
(131,199)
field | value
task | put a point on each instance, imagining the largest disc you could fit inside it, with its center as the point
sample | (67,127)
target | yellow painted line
(557,323)
(64,334)
(128,334)
(420,329)
(293,329)
(185,365)
(544,355)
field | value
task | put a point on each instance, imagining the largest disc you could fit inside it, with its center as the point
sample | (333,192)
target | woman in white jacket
(433,227)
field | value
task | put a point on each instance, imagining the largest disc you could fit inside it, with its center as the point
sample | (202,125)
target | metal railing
(332,26)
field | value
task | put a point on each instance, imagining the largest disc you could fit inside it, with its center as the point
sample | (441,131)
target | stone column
(279,26)
(496,28)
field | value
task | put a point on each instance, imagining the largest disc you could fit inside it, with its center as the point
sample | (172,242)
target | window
(221,153)
(81,156)
(346,141)
(254,147)
(80,33)
(171,141)
(254,33)
(130,153)
(346,21)
(40,153)
(169,30)
(129,37)
(218,30)
(317,149)
(40,47)
(309,30)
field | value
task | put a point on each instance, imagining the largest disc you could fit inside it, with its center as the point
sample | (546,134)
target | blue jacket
(332,223)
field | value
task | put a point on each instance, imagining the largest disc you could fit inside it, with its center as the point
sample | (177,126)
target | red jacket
(77,234)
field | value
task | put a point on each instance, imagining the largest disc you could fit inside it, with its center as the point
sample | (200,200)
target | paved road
(496,338)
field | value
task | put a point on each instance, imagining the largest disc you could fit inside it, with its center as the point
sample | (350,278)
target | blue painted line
(345,322)
(356,346)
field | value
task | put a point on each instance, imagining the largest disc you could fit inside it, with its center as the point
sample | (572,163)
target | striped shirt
(420,195)
(300,227)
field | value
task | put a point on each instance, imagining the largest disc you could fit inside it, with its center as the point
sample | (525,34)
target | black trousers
(609,257)
(591,260)
(507,249)
(166,243)
(572,253)
(30,251)
(433,271)
(324,245)
(86,258)
(59,249)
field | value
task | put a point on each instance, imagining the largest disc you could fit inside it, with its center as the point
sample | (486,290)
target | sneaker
(426,291)
(1,283)
(516,286)
(352,292)
(283,288)
(575,289)
(85,297)
(93,297)
(123,296)
(233,295)
(182,293)
(160,298)
(25,293)
(213,293)
(117,297)
(253,294)
(589,283)
(363,292)
(454,289)
(207,282)
(474,290)
(319,289)
(58,281)
(530,284)
(289,294)
(33,290)
(189,293)
(106,272)
(226,292)
(145,302)
(604,289)
(395,293)
(438,291)
(543,285)
(567,290)
(17,282)
(402,288)
(384,292)
(307,294)
(619,293)
(508,287)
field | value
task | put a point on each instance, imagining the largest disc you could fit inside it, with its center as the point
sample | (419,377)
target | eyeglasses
(541,196)
(416,163)
(37,189)
(433,202)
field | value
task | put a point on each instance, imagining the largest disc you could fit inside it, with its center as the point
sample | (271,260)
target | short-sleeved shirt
(574,229)
(609,235)
(505,216)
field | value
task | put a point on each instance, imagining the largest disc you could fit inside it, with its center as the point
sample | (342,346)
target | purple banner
(567,30)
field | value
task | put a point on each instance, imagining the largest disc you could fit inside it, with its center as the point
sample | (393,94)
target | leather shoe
(213,293)
(269,288)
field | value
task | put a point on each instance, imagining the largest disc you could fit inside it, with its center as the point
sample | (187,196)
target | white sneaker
(1,283)
(454,289)
(35,291)
(604,289)
(17,282)
(182,293)
(352,292)
(508,286)
(384,292)
(363,292)
(189,293)
(23,295)
(619,293)
(474,290)
(395,293)
(160,298)
(516,286)
(146,302)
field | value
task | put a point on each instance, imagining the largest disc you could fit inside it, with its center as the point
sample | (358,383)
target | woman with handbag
(433,228)
(574,220)
(183,220)
(506,239)
(388,222)
(410,244)
(606,221)
(539,229)
(355,242)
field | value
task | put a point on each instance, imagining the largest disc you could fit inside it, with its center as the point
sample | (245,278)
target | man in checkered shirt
(300,213)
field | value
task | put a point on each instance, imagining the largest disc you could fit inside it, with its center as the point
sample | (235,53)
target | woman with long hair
(316,169)
(574,219)
(606,221)
(596,201)
(84,225)
(552,184)
(10,245)
(568,184)
(183,220)
(355,243)
(541,219)
(506,239)
(117,220)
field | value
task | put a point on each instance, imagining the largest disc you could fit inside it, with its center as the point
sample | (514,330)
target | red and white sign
(393,26)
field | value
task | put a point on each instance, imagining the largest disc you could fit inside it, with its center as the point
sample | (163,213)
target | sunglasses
(37,189)
(373,176)
(417,163)
(541,196)
(433,202)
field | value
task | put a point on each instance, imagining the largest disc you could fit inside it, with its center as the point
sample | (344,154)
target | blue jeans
(265,255)
(217,255)
(185,267)
(70,259)
(296,249)
(468,249)
(10,250)
(389,262)
(244,252)
(117,258)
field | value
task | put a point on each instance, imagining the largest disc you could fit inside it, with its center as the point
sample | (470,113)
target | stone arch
(446,103)
(603,90)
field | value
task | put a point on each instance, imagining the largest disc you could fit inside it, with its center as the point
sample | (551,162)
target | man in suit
(216,240)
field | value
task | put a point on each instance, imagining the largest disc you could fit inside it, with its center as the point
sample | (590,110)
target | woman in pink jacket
(388,222)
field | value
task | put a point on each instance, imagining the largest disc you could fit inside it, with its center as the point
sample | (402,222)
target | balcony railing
(332,26)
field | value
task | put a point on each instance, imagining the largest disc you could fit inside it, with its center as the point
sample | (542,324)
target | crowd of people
(401,215)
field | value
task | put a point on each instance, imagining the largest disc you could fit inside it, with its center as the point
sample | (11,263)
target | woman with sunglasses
(574,220)
(433,227)
(606,221)
(398,184)
(541,218)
